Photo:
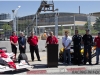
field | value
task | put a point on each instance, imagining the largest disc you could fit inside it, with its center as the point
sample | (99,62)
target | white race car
(7,64)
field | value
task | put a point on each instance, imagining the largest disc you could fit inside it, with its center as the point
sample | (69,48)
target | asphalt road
(40,67)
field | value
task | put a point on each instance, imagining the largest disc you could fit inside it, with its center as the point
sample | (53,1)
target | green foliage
(1,32)
(97,24)
(60,32)
(86,25)
(62,27)
(82,32)
(6,27)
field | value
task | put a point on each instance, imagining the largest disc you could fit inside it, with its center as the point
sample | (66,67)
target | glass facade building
(4,16)
(4,19)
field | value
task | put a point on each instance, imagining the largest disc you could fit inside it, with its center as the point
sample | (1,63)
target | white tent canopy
(7,20)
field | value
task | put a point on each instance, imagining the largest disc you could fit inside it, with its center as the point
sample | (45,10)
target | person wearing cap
(14,43)
(88,42)
(66,42)
(77,40)
(97,43)
(33,42)
(22,43)
(51,39)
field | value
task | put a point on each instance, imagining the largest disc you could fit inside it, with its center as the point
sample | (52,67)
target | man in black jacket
(88,42)
(22,43)
(77,40)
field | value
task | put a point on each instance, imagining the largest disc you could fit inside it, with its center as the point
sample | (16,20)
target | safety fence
(65,21)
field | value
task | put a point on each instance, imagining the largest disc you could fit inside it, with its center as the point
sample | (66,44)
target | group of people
(78,40)
(32,41)
(87,41)
(21,41)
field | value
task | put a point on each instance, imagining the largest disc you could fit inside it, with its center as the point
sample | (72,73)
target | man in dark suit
(22,43)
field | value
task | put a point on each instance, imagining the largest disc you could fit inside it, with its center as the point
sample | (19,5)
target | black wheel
(60,57)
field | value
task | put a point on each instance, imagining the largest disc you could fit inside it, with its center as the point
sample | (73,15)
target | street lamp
(89,21)
(56,22)
(19,6)
(74,22)
(39,30)
(36,24)
(14,19)
(71,30)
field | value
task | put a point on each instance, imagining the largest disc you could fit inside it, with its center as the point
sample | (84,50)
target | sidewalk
(40,67)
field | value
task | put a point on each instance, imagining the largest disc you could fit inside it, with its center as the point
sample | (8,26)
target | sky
(30,7)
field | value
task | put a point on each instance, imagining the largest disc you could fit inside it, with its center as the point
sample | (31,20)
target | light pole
(27,31)
(89,22)
(17,24)
(39,30)
(74,22)
(36,24)
(71,30)
(56,23)
(14,19)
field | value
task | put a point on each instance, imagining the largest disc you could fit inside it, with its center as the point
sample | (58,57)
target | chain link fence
(69,21)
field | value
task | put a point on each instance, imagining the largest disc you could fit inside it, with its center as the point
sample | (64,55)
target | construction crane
(44,6)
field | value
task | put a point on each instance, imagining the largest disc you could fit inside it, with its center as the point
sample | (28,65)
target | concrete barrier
(41,45)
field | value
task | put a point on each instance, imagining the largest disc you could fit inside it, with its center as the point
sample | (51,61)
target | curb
(72,70)
(55,71)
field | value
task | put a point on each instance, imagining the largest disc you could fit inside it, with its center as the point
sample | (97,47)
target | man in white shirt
(66,42)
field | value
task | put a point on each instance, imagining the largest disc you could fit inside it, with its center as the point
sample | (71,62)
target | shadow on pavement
(15,71)
(39,65)
(44,65)
(59,64)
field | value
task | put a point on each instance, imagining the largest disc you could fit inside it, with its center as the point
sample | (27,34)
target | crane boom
(44,6)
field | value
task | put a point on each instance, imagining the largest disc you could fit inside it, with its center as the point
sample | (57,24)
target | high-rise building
(4,16)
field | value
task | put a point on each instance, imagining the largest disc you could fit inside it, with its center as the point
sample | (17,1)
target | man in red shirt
(97,43)
(33,41)
(51,39)
(14,43)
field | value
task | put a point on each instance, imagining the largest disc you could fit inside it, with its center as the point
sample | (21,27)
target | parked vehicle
(61,58)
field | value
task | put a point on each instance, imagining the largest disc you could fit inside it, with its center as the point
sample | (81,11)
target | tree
(96,25)
(62,27)
(76,27)
(86,25)
(6,27)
